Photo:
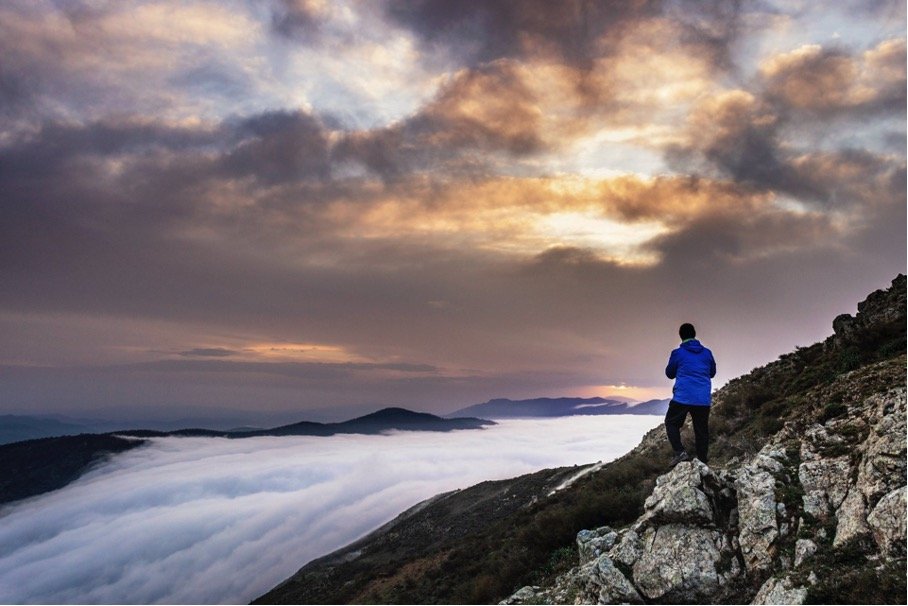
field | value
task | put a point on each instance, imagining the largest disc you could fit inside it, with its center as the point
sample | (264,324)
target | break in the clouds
(293,205)
(205,521)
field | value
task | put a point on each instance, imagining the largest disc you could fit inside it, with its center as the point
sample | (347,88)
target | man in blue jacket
(691,366)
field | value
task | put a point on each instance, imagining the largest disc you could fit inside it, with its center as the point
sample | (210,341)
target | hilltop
(772,514)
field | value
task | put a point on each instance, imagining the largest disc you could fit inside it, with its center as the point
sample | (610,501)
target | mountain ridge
(503,408)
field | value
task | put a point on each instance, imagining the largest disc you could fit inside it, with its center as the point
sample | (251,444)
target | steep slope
(422,536)
(531,546)
(32,467)
(818,514)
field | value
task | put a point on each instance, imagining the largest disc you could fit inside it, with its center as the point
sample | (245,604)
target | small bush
(832,410)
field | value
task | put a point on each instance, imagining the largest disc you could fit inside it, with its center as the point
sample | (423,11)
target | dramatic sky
(312,209)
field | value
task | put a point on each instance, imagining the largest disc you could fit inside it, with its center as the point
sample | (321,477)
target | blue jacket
(692,366)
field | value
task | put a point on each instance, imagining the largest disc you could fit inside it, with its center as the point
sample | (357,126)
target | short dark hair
(687,331)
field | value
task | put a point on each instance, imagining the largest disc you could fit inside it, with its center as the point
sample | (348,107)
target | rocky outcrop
(754,532)
(879,312)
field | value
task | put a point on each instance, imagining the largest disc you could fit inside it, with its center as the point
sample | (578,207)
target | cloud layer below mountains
(199,520)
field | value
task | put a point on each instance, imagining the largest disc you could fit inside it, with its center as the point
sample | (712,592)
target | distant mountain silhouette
(503,408)
(385,419)
(32,467)
(15,428)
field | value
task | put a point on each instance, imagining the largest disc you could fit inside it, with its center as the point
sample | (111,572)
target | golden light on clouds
(621,390)
(616,241)
(300,352)
(336,189)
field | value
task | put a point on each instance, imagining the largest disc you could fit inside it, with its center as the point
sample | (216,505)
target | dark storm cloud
(575,32)
(94,211)
(750,136)
(56,143)
(712,27)
(279,147)
(480,32)
(485,110)
(739,135)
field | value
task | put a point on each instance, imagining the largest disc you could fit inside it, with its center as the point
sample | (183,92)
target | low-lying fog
(211,520)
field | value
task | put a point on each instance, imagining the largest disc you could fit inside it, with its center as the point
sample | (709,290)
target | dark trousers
(674,420)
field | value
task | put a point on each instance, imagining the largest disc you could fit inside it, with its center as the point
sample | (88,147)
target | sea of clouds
(212,520)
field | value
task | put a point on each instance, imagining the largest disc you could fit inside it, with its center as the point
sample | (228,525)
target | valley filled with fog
(213,520)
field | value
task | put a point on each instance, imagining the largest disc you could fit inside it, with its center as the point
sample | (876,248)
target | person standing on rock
(691,366)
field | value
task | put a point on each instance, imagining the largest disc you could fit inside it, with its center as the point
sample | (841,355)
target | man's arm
(671,370)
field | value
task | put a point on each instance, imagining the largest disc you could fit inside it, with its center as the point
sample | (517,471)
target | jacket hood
(693,346)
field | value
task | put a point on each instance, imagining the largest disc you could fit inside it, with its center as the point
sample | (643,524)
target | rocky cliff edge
(817,512)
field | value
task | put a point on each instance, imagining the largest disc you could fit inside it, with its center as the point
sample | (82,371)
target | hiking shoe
(680,456)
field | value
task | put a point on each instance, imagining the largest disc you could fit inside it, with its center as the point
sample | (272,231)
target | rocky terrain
(803,502)
(819,510)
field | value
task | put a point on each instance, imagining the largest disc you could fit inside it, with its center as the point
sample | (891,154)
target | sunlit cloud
(827,80)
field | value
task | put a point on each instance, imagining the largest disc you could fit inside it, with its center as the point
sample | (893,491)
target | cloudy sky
(313,209)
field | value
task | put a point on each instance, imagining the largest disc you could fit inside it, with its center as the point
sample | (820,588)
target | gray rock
(825,483)
(758,532)
(852,518)
(628,549)
(780,591)
(678,563)
(679,497)
(616,589)
(887,522)
(804,548)
(883,465)
(524,595)
(593,543)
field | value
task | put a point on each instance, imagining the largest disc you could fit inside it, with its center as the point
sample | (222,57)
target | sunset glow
(295,205)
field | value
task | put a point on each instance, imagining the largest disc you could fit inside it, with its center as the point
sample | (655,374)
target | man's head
(687,331)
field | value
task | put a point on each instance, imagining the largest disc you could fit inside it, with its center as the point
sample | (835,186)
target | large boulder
(679,563)
(825,483)
(887,522)
(758,532)
(780,591)
(678,549)
(593,543)
(883,465)
(680,497)
(615,588)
